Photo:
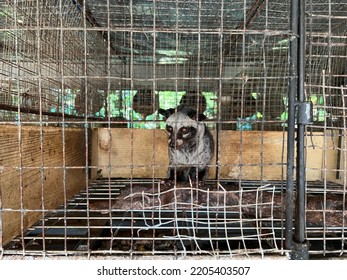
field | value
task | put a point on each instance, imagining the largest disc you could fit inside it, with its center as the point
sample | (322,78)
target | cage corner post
(299,115)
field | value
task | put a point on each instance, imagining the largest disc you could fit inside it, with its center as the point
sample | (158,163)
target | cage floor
(76,229)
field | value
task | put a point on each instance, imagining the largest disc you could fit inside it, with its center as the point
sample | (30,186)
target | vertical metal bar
(108,116)
(220,88)
(154,86)
(176,229)
(85,73)
(244,80)
(198,77)
(296,96)
(39,35)
(131,72)
(19,123)
(324,171)
(293,61)
(300,221)
(61,21)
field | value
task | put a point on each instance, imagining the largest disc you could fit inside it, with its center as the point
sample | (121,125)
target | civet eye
(169,128)
(184,130)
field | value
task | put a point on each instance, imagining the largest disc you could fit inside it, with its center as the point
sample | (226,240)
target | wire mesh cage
(90,91)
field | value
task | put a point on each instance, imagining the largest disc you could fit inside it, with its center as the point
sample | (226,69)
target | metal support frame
(299,116)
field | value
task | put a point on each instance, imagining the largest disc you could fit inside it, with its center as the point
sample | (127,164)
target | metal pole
(298,246)
(300,175)
(300,219)
(293,83)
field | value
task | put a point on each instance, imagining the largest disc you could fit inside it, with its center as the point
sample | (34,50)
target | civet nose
(175,143)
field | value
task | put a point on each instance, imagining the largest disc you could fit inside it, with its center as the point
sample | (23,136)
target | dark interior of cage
(84,150)
(112,216)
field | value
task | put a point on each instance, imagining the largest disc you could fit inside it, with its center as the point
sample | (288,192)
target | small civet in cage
(190,144)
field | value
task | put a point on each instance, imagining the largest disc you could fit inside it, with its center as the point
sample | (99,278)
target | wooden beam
(38,171)
(246,155)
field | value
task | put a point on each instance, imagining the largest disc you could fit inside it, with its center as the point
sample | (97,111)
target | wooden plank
(33,178)
(252,155)
(137,153)
(247,155)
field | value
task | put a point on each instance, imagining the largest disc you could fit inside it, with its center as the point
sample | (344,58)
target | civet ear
(166,112)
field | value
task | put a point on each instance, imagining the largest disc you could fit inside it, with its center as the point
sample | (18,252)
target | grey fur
(190,144)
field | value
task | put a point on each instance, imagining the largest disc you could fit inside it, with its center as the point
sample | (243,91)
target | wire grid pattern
(325,88)
(61,59)
(46,59)
(71,54)
(136,218)
(145,225)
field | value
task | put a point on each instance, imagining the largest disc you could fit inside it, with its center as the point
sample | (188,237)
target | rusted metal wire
(83,63)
